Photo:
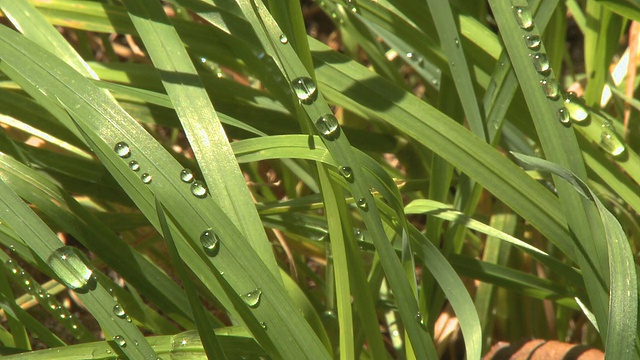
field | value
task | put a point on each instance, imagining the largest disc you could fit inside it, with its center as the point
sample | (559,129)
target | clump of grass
(226,185)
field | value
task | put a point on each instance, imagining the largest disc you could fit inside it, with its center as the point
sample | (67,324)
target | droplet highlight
(120,341)
(186,175)
(122,149)
(524,18)
(541,63)
(563,116)
(305,89)
(119,311)
(346,172)
(252,298)
(69,266)
(328,126)
(146,178)
(610,142)
(577,110)
(532,41)
(550,88)
(198,189)
(133,165)
(210,241)
(362,204)
(283,39)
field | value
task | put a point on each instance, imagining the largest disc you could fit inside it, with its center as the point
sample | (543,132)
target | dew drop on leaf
(146,178)
(69,266)
(198,189)
(328,126)
(133,165)
(305,89)
(186,175)
(122,149)
(524,18)
(252,298)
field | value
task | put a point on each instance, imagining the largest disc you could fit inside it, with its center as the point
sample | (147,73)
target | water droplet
(120,341)
(362,204)
(533,41)
(283,39)
(359,235)
(186,175)
(146,178)
(128,318)
(420,320)
(252,298)
(541,63)
(456,41)
(122,149)
(69,266)
(198,189)
(577,110)
(119,311)
(610,142)
(133,165)
(305,89)
(525,20)
(550,88)
(410,55)
(346,172)
(210,241)
(263,325)
(203,59)
(563,116)
(328,126)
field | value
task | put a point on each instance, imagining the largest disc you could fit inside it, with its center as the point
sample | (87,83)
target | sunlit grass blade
(558,139)
(209,339)
(200,122)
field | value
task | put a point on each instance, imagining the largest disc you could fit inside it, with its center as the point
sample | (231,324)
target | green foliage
(262,195)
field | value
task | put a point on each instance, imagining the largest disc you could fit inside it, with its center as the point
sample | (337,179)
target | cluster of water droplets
(306,91)
(212,67)
(540,61)
(46,300)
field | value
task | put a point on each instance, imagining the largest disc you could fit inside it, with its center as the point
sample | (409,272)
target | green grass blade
(210,342)
(200,122)
(622,333)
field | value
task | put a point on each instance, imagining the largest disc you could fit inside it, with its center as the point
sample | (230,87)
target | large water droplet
(133,165)
(610,142)
(120,341)
(210,241)
(524,18)
(563,116)
(283,39)
(362,204)
(532,41)
(69,266)
(346,172)
(550,88)
(198,189)
(577,110)
(328,126)
(119,311)
(146,178)
(305,89)
(122,149)
(252,298)
(186,175)
(541,63)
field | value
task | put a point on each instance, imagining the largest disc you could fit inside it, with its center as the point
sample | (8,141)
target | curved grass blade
(622,334)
